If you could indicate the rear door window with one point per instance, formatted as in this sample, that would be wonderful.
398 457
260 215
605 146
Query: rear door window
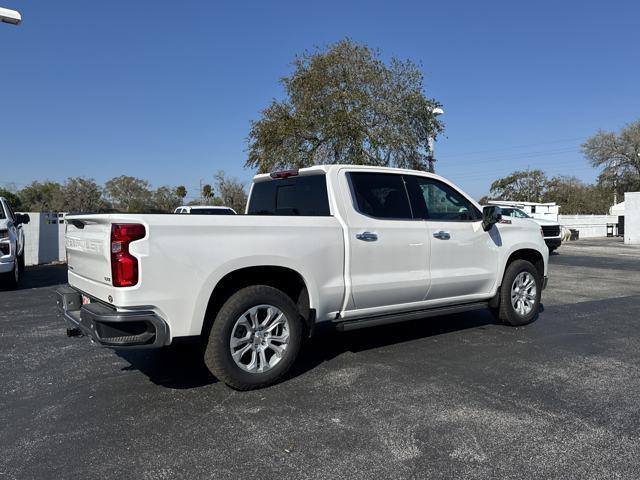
293 196
380 195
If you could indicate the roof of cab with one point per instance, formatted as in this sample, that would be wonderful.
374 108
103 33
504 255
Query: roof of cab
328 168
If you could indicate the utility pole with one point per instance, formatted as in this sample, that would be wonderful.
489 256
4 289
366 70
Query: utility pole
615 182
431 159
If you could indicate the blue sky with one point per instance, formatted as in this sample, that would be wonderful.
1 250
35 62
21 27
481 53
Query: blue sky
166 90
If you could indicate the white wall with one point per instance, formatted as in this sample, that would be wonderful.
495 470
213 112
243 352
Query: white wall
632 218
44 238
589 226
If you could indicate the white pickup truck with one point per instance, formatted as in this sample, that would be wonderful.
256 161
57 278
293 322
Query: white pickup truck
551 231
340 245
11 244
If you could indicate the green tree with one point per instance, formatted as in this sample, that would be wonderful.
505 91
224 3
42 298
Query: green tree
81 194
346 105
618 154
207 193
129 194
571 193
165 199
231 192
181 192
12 198
42 197
520 186
576 197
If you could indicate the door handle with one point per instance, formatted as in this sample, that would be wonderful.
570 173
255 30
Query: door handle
367 236
442 235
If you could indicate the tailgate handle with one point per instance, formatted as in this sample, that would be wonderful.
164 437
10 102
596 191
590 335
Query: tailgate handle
76 223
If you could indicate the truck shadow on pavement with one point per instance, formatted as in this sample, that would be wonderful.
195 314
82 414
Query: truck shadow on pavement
330 344
180 366
42 276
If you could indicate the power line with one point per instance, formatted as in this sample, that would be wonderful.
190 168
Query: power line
515 147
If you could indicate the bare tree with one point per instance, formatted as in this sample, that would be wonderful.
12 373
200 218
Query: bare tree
619 156
231 192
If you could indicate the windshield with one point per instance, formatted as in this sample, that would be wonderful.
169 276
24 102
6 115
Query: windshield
2 214
513 212
211 211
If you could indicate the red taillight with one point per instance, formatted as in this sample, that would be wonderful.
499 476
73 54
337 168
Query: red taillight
124 266
284 173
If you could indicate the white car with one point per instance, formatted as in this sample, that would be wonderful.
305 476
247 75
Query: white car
551 230
205 210
347 246
11 244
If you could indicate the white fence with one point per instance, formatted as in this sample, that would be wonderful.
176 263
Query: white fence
44 238
632 218
589 226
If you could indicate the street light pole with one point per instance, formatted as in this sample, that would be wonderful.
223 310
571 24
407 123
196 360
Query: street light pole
10 16
431 144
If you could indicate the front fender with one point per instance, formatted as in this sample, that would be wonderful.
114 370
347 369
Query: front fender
517 239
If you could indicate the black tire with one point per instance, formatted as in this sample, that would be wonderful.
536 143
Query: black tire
21 261
505 312
218 357
9 280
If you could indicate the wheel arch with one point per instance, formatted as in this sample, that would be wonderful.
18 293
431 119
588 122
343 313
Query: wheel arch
285 279
531 255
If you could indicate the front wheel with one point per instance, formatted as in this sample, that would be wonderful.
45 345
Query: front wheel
10 279
255 338
519 294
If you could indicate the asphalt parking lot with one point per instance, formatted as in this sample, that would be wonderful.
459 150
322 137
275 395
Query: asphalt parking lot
457 397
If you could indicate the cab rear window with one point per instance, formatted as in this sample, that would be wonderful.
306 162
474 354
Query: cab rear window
293 196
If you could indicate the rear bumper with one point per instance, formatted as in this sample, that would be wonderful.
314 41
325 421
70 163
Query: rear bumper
110 327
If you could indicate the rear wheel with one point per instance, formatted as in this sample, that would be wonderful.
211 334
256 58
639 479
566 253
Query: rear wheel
255 338
519 294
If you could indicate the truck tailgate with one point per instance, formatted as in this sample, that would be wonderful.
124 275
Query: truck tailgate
88 248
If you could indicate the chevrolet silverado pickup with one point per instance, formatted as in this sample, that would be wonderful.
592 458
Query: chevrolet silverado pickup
11 244
345 246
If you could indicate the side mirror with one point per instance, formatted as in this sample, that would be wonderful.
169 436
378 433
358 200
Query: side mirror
490 216
22 218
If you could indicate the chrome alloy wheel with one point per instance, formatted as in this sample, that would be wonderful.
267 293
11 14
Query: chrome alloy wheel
523 293
259 338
